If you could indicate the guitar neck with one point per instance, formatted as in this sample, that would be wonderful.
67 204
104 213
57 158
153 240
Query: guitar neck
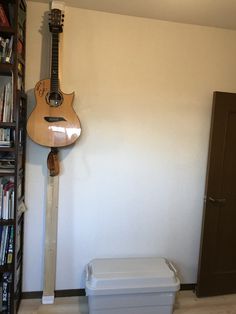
54 63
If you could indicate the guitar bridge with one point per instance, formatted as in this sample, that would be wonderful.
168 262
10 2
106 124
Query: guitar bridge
54 119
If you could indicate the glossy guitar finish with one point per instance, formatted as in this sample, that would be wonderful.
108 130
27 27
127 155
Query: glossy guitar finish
53 122
53 126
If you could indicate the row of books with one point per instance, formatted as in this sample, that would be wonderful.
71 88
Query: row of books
6 198
6 137
6 102
6 46
7 162
5 292
6 14
7 243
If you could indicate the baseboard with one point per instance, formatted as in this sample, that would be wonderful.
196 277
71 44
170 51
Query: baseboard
31 295
70 293
58 294
187 286
81 292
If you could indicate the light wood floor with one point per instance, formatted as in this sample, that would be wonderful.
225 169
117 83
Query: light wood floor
186 303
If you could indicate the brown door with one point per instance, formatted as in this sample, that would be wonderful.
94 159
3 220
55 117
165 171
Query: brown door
217 265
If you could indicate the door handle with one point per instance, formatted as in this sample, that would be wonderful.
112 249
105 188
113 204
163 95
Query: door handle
216 200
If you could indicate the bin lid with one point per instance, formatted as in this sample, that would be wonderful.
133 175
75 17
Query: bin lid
130 275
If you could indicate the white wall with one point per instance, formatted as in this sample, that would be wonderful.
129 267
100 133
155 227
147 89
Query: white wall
133 185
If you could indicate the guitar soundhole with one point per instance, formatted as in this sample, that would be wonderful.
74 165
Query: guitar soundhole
54 99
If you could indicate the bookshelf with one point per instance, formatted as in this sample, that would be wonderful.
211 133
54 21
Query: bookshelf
12 151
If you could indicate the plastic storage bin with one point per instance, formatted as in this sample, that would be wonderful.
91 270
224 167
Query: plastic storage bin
131 286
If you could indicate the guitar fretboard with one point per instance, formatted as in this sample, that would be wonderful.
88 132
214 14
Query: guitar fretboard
54 63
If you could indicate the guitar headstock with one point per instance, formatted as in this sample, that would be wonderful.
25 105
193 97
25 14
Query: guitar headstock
55 21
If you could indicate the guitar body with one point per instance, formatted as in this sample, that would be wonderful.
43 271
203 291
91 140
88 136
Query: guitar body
53 126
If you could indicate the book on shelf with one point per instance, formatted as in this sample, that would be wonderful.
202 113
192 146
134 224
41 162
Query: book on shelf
6 101
10 247
4 240
7 241
6 166
7 162
7 195
6 137
6 46
11 13
6 281
8 57
3 17
8 201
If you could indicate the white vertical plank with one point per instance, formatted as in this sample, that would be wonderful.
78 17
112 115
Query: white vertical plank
50 240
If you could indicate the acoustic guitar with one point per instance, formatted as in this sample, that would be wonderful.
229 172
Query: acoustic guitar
53 122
